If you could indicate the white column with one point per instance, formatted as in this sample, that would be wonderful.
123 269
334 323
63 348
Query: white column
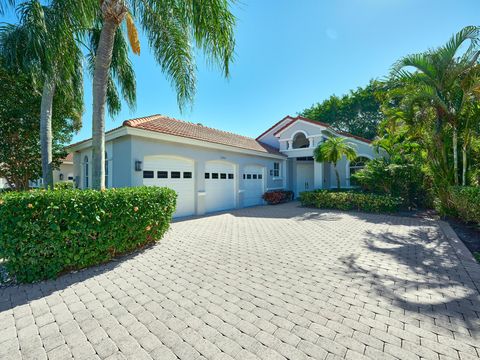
310 142
318 174
289 144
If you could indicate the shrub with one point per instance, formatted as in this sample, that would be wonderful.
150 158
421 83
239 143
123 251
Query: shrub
465 203
350 200
64 185
277 196
400 178
44 233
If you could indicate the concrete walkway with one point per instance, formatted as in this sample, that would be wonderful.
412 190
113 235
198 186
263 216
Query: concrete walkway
273 282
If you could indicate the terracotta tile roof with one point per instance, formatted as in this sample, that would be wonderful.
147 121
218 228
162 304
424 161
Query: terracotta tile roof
328 126
167 125
68 158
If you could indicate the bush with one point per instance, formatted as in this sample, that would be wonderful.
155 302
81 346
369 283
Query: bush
400 178
277 196
44 233
64 185
465 203
350 200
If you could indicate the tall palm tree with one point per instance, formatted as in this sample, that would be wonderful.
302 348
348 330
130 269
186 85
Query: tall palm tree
172 28
44 45
333 150
437 76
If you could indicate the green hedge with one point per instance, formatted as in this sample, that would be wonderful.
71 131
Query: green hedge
45 233
465 203
350 200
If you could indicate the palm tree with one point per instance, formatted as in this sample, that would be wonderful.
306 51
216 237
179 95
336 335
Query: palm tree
44 45
171 27
333 150
437 76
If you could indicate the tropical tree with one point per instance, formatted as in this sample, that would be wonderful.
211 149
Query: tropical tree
43 44
172 28
437 78
333 150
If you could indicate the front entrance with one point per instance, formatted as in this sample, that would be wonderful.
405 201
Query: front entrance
305 177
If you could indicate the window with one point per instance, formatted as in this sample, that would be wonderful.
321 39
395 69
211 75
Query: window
162 174
207 175
85 172
254 176
276 169
260 176
214 175
300 141
249 176
230 176
244 176
223 176
175 174
106 169
357 165
148 174
187 175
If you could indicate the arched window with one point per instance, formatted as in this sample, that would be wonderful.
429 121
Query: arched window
357 165
85 172
300 141
106 169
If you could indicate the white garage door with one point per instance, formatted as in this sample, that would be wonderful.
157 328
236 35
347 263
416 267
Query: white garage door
174 173
219 186
252 180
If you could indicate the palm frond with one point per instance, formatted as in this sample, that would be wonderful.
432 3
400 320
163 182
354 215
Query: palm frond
133 35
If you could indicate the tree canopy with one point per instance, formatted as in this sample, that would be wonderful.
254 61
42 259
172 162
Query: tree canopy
358 112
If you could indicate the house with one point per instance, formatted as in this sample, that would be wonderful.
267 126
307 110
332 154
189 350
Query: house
213 170
64 173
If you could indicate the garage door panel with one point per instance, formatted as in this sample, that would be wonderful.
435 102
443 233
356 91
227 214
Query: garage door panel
253 185
219 186
176 174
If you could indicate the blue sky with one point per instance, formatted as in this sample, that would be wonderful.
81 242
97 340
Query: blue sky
291 54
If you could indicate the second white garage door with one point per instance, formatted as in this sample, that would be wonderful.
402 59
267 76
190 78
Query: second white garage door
219 186
174 173
252 180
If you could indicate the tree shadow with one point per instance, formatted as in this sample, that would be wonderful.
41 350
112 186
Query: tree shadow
419 272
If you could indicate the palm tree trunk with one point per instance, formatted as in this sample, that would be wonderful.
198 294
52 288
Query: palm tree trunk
100 80
464 165
337 175
46 133
455 155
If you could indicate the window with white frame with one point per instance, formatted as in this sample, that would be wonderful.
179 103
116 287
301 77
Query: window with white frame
85 172
276 169
355 166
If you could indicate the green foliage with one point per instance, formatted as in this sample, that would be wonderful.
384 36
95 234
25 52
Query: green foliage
465 203
19 129
333 150
400 179
350 200
358 113
44 233
64 185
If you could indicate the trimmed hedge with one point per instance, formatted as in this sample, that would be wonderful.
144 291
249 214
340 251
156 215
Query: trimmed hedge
465 201
45 233
350 200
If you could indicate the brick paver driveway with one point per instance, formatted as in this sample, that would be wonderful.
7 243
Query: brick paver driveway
277 282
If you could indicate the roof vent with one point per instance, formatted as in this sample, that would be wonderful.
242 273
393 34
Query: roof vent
199 124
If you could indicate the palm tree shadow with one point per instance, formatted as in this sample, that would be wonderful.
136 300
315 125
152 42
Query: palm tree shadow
419 273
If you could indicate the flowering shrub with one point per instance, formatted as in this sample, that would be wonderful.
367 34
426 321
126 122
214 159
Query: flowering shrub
350 200
277 196
44 233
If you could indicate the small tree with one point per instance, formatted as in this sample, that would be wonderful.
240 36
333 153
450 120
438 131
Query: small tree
333 150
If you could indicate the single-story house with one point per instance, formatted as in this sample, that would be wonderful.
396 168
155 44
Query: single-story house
213 170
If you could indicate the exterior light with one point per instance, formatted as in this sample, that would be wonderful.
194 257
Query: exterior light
138 165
